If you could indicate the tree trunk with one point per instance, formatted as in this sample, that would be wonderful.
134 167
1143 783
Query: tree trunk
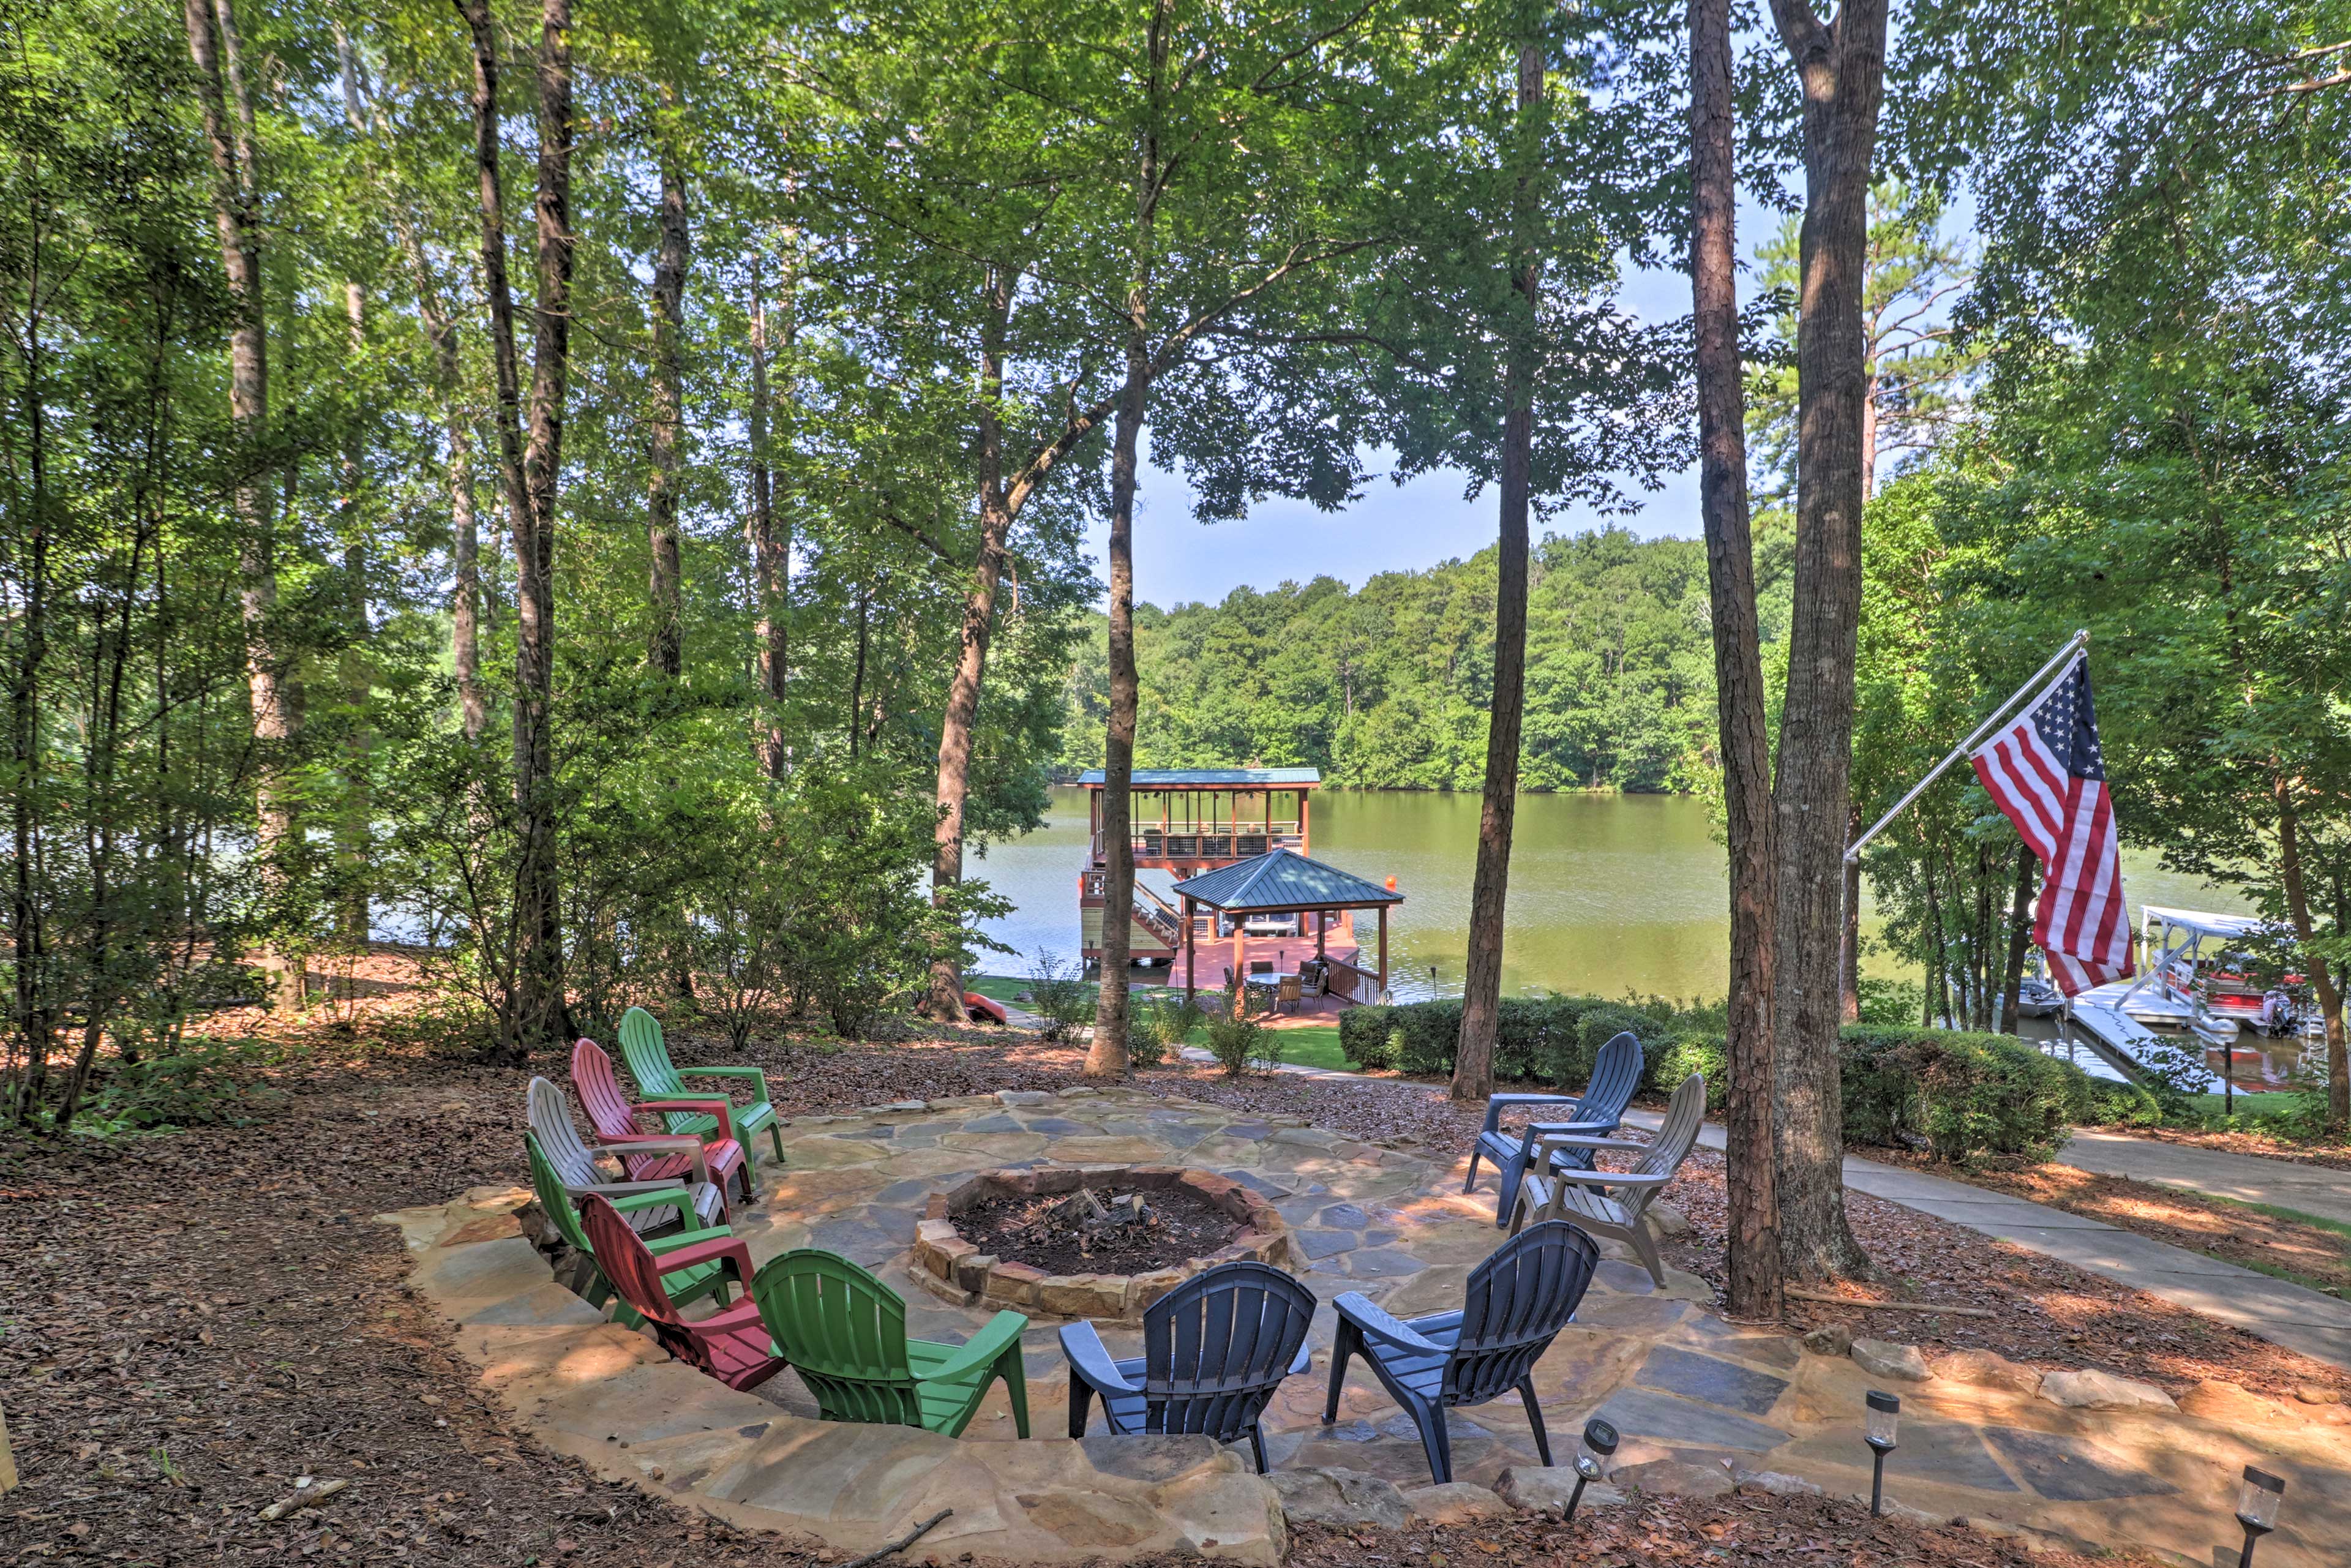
2019 938
2322 979
354 668
1107 1058
1849 940
772 557
465 527
215 47
1841 69
944 1003
1939 985
668 650
1752 1201
1481 994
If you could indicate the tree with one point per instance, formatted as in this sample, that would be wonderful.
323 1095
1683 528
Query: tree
1840 71
1755 1271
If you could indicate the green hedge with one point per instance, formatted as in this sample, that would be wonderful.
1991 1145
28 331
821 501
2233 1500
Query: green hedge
1959 1094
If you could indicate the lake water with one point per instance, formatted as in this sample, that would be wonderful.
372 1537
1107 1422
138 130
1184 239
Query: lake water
1609 894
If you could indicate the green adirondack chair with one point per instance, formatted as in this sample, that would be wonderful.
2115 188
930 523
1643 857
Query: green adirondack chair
683 1285
657 1080
845 1332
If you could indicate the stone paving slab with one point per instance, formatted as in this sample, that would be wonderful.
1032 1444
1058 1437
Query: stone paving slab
1681 1384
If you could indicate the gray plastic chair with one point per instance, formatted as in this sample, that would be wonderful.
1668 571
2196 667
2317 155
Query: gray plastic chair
1598 1111
1616 1203
549 1116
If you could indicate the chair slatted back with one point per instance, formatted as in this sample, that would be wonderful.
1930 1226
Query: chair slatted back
549 1115
845 1332
1518 1299
1674 1139
553 1201
636 1276
1217 1346
599 1091
647 1054
1615 1077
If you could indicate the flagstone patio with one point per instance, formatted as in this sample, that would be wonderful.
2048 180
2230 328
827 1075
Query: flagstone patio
1686 1388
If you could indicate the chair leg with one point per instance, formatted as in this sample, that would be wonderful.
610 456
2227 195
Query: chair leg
1471 1184
1342 1347
1534 1417
1435 1441
1637 1233
1082 1399
1256 1446
1016 1387
775 1134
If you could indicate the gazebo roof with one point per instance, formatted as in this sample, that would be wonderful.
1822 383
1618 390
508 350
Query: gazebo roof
1210 778
1283 880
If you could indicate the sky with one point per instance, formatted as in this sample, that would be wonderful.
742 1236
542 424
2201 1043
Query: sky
1392 527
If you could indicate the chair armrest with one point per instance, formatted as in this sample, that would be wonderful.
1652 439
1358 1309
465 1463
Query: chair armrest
1497 1104
725 1248
1360 1310
1609 1178
684 1238
664 1195
679 1143
758 1075
1574 1129
1567 1142
1090 1360
1434 1322
722 1108
605 1189
999 1333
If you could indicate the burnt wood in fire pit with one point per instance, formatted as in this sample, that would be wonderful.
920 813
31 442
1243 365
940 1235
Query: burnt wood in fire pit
1095 1242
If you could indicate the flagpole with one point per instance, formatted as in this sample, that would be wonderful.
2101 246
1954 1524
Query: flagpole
2074 644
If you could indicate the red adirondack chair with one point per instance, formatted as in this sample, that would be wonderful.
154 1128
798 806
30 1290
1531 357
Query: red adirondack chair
615 1119
731 1345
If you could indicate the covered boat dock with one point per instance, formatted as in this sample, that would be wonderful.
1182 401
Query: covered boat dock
1282 881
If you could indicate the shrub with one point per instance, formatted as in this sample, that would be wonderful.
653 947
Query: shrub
1368 1038
1669 1061
1240 1043
1963 1094
1058 993
2106 1104
202 1082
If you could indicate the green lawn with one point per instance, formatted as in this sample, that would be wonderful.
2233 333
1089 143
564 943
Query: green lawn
1311 1045
2262 1105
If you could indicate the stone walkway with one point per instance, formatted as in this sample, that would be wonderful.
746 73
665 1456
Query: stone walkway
2321 1190
1699 1401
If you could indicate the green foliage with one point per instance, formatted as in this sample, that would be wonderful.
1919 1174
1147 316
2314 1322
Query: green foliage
1387 685
1242 1044
1540 1040
1959 1094
1059 994
199 1082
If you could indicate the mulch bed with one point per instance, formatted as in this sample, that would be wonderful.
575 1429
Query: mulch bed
1180 1226
1745 1530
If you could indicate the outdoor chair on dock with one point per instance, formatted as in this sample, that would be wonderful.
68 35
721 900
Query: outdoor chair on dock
845 1333
1616 1203
658 1082
731 1344
1597 1112
615 1121
1518 1300
1213 1350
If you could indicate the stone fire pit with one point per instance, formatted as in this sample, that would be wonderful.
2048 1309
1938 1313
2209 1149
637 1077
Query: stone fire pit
956 1268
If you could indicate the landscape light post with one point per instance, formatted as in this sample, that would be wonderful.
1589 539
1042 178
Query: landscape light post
1884 1410
1599 1442
2257 1509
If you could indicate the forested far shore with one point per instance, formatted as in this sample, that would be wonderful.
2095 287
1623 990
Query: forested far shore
1390 686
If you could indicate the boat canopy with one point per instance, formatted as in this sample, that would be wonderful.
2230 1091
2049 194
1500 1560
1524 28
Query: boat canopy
2207 925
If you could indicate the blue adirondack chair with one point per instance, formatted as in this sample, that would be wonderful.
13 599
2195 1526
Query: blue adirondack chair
1215 1348
1615 1074
1518 1299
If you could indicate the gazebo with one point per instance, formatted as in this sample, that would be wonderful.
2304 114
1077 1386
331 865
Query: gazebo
1283 881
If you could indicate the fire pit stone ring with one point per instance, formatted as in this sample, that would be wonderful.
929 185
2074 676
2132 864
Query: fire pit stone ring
954 1268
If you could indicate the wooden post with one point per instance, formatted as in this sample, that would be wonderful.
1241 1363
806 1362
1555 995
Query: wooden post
1322 922
1240 961
1191 951
1383 949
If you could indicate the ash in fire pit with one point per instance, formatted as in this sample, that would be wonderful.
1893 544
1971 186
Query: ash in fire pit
1099 1229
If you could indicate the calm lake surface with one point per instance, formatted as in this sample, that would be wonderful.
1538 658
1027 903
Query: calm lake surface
1609 894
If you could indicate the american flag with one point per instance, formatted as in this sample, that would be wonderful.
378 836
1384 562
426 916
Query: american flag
2047 776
